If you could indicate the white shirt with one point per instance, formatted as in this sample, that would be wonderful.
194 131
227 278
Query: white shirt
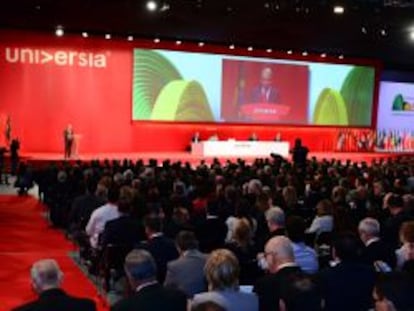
321 224
99 218
371 240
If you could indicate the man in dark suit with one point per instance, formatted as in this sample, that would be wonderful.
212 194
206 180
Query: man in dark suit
124 230
348 285
299 153
391 227
276 288
265 92
375 251
159 246
187 272
46 279
148 295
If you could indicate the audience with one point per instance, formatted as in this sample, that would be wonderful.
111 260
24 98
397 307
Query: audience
231 205
46 281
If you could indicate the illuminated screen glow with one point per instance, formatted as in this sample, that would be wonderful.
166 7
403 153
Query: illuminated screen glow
199 87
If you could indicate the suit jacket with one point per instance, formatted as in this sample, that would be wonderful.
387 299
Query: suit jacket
153 298
163 250
123 231
57 299
271 95
347 286
229 299
378 250
187 273
270 288
211 233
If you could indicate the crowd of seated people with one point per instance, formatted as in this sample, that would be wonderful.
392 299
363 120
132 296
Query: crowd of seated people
269 235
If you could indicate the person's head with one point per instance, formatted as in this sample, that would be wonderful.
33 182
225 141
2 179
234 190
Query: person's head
242 233
338 194
186 241
208 306
368 229
378 188
266 76
298 142
324 208
346 247
126 195
140 267
222 270
393 292
113 194
278 251
290 196
102 192
45 275
181 215
407 233
394 203
275 218
295 227
152 225
254 187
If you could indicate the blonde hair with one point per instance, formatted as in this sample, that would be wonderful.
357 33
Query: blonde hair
242 233
222 270
407 232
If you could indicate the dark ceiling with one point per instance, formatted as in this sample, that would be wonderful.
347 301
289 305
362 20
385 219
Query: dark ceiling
378 29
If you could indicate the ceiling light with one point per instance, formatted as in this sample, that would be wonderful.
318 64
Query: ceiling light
157 40
338 9
200 44
323 55
152 5
178 42
364 30
383 32
165 7
232 47
269 50
290 52
59 31
130 38
304 53
84 34
341 57
412 35
250 48
107 36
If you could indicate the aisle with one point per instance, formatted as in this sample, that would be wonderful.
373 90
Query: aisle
26 237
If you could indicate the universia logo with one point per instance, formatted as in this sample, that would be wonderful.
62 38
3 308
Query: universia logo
36 56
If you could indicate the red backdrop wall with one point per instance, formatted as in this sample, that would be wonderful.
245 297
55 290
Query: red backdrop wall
47 82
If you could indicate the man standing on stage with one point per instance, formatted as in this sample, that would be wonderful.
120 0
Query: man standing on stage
68 136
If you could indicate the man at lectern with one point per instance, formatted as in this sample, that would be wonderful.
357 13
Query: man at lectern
265 92
68 136
253 137
196 138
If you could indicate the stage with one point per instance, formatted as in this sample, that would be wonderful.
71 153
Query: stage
40 159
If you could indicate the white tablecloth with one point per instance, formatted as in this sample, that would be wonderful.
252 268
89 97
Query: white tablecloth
234 148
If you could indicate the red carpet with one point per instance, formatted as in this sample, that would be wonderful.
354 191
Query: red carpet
24 238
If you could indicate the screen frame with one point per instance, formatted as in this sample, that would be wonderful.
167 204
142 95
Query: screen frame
213 49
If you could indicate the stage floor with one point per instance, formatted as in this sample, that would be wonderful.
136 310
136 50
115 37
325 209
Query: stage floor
188 157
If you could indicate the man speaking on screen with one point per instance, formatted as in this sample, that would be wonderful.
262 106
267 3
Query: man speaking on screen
265 92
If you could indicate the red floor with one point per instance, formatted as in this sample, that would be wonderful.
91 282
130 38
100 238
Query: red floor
44 158
26 237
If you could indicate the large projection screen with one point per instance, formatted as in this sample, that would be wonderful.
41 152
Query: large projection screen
199 87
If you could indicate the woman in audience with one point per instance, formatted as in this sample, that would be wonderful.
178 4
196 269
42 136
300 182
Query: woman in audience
406 251
323 222
241 244
222 272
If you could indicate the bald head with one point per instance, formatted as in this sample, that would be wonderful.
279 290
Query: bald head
46 274
279 251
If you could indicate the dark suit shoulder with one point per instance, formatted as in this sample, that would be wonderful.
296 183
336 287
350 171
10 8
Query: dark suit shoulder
65 303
